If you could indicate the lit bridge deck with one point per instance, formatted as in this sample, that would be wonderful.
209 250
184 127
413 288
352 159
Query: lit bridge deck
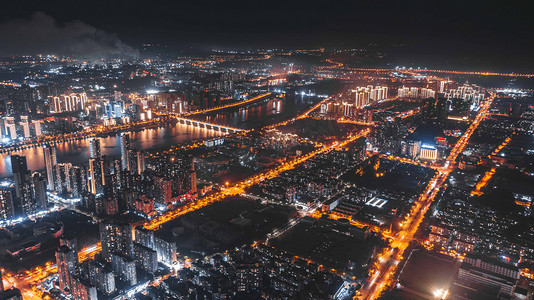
208 125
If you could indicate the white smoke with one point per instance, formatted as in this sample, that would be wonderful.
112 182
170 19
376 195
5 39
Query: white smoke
42 34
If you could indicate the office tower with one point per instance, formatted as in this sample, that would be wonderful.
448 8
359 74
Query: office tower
94 148
102 276
144 237
414 92
362 99
82 290
166 251
63 180
132 164
25 124
117 173
7 207
414 148
78 183
146 258
116 238
72 243
24 204
124 268
140 162
428 152
83 100
442 86
96 178
403 92
50 165
11 128
38 189
66 266
136 161
37 127
125 145
366 95
19 168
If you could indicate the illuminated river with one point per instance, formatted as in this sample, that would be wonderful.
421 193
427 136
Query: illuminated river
253 116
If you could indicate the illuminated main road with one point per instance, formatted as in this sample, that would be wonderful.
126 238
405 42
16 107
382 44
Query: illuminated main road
382 274
303 115
25 280
489 174
480 73
239 103
240 186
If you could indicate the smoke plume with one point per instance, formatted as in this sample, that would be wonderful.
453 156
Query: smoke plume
42 34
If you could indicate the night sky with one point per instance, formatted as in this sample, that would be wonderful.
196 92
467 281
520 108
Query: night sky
497 32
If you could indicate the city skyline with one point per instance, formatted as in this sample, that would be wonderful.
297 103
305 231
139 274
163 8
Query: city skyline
364 150
472 35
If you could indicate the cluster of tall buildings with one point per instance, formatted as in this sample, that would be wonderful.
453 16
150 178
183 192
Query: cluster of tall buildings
467 92
342 109
72 280
27 196
12 129
111 183
351 104
67 103
125 253
63 179
276 139
125 184
226 81
105 186
418 150
366 95
171 102
415 93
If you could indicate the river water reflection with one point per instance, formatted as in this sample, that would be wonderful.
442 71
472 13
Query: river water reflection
254 116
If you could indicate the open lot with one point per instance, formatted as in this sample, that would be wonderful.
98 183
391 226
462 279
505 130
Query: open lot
327 247
225 225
